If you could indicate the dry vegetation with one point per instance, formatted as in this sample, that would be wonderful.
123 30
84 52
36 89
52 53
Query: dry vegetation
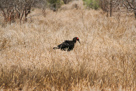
104 61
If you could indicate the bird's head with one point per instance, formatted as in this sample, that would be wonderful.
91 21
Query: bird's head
76 39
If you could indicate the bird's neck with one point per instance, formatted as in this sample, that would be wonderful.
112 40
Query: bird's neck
74 41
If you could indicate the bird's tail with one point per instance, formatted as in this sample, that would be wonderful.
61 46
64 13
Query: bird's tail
55 48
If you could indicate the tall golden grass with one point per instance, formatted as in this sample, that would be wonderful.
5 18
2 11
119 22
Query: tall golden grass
104 61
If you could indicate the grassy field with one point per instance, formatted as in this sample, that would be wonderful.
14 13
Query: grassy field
104 61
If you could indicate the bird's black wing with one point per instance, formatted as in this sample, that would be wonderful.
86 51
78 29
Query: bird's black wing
64 45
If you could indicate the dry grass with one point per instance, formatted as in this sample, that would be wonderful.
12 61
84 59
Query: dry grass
104 61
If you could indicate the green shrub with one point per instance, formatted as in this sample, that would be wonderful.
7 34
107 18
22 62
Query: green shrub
66 1
94 4
55 4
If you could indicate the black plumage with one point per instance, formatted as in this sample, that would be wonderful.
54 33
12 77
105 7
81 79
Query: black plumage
67 45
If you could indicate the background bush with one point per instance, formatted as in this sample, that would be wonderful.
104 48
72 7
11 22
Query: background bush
55 4
66 1
94 4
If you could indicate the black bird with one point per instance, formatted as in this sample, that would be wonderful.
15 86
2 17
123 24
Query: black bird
67 45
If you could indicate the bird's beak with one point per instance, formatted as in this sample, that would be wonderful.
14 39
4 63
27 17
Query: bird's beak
79 41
